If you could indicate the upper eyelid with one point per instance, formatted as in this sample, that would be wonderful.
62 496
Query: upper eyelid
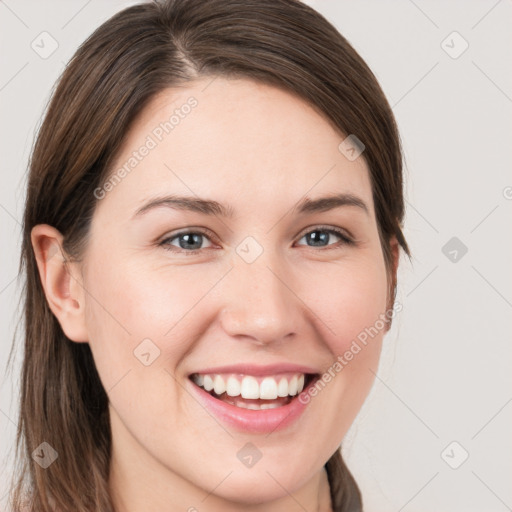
320 227
185 231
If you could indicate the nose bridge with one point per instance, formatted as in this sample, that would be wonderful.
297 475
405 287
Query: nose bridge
258 301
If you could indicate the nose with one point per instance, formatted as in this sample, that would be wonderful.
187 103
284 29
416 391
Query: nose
259 303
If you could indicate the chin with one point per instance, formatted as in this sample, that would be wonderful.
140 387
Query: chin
260 483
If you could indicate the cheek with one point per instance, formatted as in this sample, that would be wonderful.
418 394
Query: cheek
350 299
135 309
139 332
351 302
137 301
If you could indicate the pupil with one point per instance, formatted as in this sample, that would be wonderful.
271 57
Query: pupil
323 237
190 241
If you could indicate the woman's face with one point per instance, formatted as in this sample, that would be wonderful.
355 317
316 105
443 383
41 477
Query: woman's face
258 289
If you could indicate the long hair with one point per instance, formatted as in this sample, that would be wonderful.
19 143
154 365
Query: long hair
134 55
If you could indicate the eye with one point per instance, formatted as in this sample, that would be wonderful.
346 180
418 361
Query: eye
320 236
191 242
186 241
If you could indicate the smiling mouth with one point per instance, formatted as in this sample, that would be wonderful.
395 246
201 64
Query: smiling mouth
254 392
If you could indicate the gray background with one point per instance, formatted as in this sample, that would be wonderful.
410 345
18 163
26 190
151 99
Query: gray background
445 373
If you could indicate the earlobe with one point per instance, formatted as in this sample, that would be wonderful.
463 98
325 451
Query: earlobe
59 278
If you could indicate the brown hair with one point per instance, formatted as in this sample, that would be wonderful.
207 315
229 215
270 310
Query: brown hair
111 78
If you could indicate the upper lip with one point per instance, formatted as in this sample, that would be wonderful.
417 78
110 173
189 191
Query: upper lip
256 370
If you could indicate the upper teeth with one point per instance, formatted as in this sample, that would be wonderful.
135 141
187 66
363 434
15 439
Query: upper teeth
267 388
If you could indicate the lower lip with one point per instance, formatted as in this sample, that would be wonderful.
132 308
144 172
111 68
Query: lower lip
249 420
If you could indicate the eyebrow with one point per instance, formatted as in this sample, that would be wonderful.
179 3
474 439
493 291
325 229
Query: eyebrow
323 204
211 207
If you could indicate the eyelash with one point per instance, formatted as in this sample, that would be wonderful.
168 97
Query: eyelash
345 240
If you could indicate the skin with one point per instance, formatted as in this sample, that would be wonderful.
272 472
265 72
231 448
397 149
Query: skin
295 303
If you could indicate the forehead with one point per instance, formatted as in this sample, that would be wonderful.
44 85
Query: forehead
231 138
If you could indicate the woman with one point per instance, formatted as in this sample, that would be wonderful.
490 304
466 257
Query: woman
213 223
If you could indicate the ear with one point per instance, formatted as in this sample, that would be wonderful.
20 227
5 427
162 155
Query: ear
61 281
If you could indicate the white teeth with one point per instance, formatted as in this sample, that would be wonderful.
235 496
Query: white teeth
250 388
269 406
268 388
219 386
300 383
208 383
282 388
256 407
292 386
233 386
